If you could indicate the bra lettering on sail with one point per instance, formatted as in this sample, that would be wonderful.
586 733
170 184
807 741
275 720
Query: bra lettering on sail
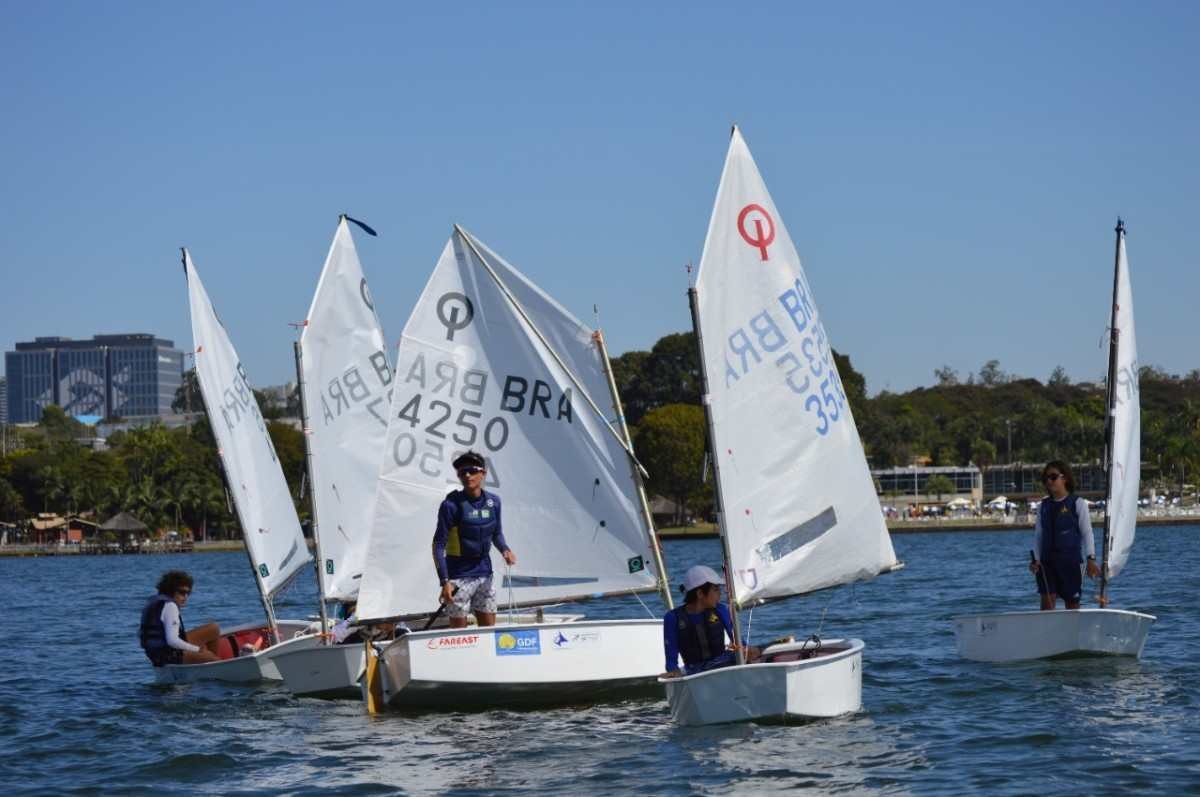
763 240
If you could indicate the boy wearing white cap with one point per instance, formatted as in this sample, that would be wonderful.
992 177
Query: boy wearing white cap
698 630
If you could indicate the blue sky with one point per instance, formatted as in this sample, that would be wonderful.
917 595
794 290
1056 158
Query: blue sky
950 172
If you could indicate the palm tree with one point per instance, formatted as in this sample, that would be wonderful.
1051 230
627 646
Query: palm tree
53 486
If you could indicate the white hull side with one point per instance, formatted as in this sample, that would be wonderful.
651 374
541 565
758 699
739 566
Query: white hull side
243 669
1020 636
523 665
329 671
335 671
824 686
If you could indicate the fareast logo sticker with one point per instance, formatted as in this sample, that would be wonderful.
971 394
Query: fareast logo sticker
453 642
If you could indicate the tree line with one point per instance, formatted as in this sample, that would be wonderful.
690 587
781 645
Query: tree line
171 478
985 418
167 478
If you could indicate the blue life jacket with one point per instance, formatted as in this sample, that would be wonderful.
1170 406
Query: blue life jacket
152 634
471 537
1061 540
699 642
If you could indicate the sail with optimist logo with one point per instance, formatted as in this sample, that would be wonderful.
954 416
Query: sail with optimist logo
345 376
270 528
799 511
488 362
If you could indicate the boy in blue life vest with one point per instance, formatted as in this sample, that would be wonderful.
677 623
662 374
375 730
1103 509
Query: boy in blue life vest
468 526
697 630
1062 540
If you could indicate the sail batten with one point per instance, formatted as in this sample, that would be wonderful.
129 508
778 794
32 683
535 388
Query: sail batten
799 508
489 362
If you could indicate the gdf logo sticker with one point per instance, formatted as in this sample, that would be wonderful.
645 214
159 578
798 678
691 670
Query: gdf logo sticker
518 643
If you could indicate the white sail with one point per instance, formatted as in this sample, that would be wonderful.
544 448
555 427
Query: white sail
800 508
1126 462
346 381
472 373
270 528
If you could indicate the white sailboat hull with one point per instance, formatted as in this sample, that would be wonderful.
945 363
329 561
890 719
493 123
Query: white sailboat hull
334 671
827 685
328 671
244 669
522 665
1020 636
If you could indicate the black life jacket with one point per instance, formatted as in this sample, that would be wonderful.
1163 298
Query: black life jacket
152 634
471 536
699 642
1061 540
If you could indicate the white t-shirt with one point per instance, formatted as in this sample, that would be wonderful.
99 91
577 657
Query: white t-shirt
171 623
1085 527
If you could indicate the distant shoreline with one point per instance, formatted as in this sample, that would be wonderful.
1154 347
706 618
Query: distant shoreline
34 551
897 526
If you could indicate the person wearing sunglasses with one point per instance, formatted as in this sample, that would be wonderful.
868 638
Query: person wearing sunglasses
162 635
1062 540
468 526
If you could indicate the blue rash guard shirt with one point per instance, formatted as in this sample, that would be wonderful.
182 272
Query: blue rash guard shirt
466 530
671 639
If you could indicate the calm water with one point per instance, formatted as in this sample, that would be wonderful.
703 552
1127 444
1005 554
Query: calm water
78 713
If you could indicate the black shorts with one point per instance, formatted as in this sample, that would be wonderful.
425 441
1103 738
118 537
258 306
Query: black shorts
165 656
1063 578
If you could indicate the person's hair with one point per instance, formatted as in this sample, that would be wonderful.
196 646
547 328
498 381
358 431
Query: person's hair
1063 468
173 580
694 594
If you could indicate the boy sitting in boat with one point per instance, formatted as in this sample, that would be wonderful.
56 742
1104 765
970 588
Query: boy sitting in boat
698 629
162 634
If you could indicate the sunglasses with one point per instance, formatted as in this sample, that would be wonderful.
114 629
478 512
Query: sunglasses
184 592
1051 477
471 471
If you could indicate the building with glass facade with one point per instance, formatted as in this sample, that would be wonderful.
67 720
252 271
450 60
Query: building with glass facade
3 401
913 482
110 375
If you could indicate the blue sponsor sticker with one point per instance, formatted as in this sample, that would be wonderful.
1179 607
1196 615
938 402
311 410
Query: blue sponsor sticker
518 643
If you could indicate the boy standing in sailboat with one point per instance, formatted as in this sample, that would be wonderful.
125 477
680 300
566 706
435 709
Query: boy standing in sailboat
468 525
1062 535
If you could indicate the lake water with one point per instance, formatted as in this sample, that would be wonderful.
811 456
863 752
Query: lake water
79 713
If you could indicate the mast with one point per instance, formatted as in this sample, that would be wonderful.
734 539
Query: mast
268 609
1114 335
308 460
652 538
730 586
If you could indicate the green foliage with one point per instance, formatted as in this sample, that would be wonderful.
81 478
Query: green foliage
667 374
670 443
187 395
939 485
